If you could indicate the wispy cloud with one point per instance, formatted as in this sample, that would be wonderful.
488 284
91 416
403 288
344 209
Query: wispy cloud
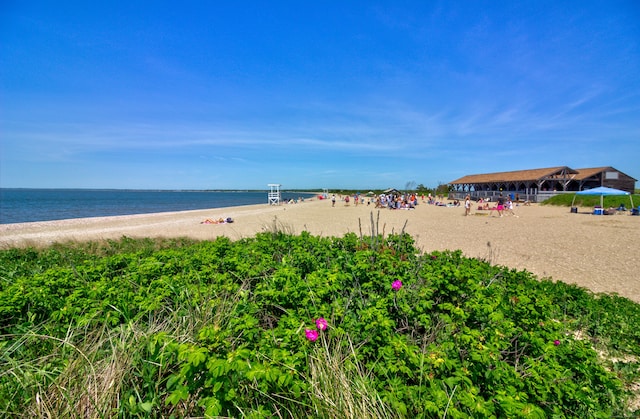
405 92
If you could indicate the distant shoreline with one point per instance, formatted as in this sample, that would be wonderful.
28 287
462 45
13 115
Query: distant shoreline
305 191
32 205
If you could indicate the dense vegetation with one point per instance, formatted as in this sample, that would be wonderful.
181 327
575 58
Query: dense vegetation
301 326
565 200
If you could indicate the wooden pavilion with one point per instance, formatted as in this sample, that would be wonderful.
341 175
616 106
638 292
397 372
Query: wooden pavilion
546 181
602 176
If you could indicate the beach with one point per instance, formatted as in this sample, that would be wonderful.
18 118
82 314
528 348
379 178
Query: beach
596 252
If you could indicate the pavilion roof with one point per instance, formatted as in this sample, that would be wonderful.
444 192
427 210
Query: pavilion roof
591 171
514 176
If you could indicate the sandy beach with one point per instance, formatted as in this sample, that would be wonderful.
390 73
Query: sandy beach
597 252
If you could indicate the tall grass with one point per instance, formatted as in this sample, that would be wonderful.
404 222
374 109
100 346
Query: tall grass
340 386
103 363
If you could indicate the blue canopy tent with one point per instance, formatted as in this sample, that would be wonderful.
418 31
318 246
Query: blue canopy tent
603 191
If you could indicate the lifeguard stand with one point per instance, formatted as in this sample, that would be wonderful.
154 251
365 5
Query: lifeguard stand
274 194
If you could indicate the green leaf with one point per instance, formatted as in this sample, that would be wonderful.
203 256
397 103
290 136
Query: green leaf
146 406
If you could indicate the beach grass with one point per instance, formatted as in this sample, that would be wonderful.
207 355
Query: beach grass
566 200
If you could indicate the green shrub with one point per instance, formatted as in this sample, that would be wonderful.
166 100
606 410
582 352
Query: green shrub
139 328
565 200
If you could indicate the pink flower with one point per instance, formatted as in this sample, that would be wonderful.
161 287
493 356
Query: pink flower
556 342
312 335
396 285
321 324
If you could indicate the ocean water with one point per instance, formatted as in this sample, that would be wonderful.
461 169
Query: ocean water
27 205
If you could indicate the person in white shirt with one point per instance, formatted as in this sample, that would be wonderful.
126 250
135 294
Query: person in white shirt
509 208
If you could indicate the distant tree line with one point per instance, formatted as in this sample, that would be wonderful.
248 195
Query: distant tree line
409 187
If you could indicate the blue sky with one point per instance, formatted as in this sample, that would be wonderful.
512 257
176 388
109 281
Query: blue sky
335 94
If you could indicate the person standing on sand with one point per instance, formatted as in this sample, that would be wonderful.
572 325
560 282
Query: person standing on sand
467 205
509 208
333 200
500 206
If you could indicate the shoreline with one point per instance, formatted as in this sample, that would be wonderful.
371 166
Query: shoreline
596 252
63 204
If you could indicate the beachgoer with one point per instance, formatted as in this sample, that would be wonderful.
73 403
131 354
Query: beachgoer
509 208
218 221
500 206
467 205
333 200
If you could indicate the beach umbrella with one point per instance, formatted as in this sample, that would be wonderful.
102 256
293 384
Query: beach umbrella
603 191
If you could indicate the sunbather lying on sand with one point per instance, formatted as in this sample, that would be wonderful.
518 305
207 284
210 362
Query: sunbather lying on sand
218 221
